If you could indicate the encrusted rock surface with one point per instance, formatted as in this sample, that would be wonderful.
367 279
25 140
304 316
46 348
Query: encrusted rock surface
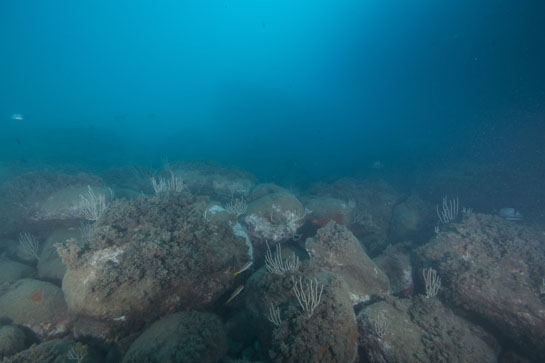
328 335
494 269
335 249
147 257
185 337
421 330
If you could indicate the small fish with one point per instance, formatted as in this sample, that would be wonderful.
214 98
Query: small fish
121 318
17 117
244 268
234 294
38 296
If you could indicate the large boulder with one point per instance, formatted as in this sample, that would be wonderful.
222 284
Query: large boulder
322 210
33 200
50 266
395 261
148 257
12 340
57 351
287 332
494 269
219 182
64 204
335 249
184 337
37 305
371 204
411 220
13 271
421 330
274 217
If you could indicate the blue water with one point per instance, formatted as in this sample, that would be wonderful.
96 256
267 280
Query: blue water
292 91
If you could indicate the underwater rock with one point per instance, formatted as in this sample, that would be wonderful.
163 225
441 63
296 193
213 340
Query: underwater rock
57 350
494 269
12 340
13 271
335 249
262 189
372 205
421 330
149 257
411 219
241 334
328 335
274 218
63 204
325 209
396 264
103 331
184 337
37 305
40 198
213 180
511 214
130 181
50 266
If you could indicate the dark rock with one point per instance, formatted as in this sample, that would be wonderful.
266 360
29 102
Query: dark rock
420 330
411 220
328 335
181 337
396 264
494 269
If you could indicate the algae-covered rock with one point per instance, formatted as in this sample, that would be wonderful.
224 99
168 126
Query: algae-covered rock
494 269
13 271
395 261
148 257
411 219
322 210
335 249
371 203
217 181
57 351
329 334
37 305
40 199
421 330
50 266
181 337
12 340
274 218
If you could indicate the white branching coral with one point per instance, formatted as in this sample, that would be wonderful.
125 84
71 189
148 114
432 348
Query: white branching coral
162 185
449 210
380 325
432 282
29 245
236 206
309 298
278 265
91 205
274 315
